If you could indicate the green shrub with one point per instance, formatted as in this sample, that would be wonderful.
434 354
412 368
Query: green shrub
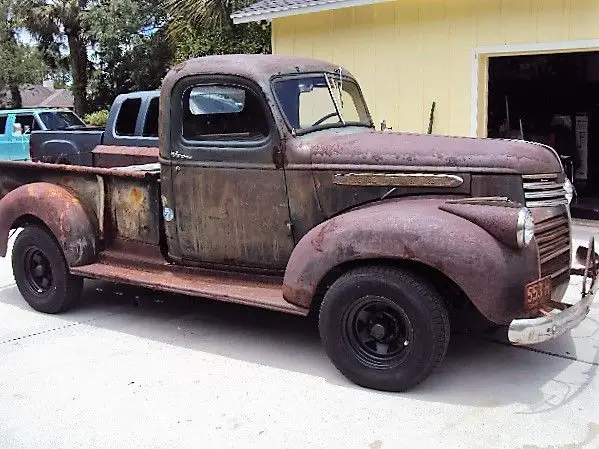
98 118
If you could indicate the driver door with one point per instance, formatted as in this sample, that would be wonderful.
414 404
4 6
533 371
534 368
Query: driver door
230 199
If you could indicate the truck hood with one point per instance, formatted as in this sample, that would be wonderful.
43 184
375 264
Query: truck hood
390 150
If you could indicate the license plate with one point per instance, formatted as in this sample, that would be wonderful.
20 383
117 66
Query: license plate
537 294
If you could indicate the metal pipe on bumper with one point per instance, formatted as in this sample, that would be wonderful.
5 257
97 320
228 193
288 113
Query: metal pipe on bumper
538 330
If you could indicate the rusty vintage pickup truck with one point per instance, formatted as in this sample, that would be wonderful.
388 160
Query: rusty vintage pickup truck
274 190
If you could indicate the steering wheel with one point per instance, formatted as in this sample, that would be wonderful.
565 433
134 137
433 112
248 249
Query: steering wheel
326 117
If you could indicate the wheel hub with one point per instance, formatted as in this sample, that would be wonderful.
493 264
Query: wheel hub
38 271
379 331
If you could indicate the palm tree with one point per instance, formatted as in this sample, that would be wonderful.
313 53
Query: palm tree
205 27
208 13
55 23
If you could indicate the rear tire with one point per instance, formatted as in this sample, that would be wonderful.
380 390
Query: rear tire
41 272
384 328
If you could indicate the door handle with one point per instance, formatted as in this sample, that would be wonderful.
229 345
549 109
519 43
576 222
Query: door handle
178 169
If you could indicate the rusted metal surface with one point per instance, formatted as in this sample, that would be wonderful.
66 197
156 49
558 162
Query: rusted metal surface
334 199
33 167
133 209
257 68
498 218
237 217
553 235
509 186
120 156
60 210
132 253
397 180
403 151
254 291
120 202
304 208
491 274
86 186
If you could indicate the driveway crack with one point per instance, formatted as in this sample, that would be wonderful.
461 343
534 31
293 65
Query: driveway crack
542 351
54 329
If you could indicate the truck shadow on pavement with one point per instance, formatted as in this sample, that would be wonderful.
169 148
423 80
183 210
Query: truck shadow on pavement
476 371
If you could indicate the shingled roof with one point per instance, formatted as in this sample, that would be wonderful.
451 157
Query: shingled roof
270 9
39 96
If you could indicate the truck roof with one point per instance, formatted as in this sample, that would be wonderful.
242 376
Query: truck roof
140 94
31 110
259 68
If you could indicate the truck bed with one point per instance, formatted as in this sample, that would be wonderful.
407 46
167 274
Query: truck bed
125 201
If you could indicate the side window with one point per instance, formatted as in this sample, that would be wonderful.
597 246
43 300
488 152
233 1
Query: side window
27 122
220 112
151 125
127 118
3 120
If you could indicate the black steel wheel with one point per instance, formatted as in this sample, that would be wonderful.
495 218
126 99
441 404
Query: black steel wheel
378 331
41 272
384 328
38 271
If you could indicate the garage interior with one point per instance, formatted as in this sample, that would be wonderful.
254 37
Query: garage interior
552 99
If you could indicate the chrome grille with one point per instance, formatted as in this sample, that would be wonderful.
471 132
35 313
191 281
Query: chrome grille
543 191
553 238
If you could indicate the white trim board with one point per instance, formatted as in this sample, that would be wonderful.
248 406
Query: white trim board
294 10
513 50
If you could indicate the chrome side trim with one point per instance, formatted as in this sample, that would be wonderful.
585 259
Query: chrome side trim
397 179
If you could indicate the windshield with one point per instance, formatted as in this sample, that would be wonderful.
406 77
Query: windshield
57 120
315 102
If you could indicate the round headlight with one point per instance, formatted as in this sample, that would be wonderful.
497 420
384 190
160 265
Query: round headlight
569 188
525 229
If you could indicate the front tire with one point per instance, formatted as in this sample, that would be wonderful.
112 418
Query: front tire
41 272
384 328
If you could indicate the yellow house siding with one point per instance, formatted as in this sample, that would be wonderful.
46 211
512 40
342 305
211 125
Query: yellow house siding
408 53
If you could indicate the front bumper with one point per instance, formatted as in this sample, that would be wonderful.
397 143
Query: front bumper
557 322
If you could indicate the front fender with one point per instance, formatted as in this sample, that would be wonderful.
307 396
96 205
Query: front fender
60 210
491 273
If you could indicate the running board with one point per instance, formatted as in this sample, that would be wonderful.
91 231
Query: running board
188 281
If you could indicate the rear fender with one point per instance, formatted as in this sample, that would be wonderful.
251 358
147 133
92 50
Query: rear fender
73 227
490 272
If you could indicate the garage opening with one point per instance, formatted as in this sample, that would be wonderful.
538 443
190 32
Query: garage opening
552 99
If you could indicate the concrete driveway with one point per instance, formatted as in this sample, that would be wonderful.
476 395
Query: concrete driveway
134 369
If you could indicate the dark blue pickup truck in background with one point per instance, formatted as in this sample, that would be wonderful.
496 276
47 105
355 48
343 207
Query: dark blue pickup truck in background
132 126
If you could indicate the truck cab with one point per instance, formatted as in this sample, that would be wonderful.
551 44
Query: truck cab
273 189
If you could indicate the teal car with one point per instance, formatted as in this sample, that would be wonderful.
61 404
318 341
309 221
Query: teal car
16 126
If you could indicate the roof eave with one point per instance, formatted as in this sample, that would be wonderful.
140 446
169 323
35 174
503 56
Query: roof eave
295 11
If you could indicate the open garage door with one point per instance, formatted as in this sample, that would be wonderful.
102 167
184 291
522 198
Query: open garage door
552 99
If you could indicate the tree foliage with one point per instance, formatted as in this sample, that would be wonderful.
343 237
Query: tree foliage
205 28
60 24
101 48
98 118
203 41
130 47
21 64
